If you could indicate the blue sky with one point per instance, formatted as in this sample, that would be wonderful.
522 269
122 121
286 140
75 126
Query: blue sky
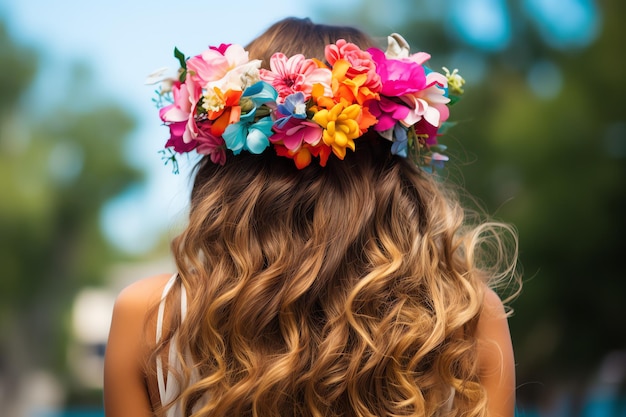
124 41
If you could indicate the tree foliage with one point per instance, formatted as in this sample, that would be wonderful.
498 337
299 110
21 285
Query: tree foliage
59 162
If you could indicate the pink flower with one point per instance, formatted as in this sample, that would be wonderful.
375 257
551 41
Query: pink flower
209 144
226 67
180 109
388 113
295 74
360 62
221 49
429 103
418 95
295 132
428 131
186 96
176 141
398 76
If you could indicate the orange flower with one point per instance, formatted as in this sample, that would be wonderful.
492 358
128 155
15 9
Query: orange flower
366 120
222 108
355 89
304 155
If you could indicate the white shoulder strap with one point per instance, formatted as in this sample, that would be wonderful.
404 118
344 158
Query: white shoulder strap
166 393
450 401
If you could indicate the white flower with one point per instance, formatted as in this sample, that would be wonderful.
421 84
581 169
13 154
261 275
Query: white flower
397 47
164 76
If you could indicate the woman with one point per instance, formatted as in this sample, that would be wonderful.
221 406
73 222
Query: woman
322 272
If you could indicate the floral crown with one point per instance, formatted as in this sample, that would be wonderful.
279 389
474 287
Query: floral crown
222 102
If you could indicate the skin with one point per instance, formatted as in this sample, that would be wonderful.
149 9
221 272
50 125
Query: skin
495 357
127 392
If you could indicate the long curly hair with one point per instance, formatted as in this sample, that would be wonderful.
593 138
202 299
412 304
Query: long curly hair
347 290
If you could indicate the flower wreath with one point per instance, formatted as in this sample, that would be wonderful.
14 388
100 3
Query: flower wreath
223 102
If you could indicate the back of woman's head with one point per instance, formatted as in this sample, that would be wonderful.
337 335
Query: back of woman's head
293 36
343 290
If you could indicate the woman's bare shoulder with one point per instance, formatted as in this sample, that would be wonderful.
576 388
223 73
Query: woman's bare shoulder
128 347
495 356
143 293
492 305
134 304
133 312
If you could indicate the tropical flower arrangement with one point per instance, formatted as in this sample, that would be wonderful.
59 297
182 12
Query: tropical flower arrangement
222 102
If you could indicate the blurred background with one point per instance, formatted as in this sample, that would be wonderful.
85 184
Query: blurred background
87 206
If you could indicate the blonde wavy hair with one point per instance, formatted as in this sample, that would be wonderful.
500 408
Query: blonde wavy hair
348 290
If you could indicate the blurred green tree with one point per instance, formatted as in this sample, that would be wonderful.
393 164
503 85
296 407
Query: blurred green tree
59 163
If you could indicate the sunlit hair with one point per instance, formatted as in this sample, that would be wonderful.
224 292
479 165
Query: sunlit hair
347 290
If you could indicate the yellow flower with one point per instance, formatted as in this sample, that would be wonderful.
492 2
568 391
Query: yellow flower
455 81
213 100
341 127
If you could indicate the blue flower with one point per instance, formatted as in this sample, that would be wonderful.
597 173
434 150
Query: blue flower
400 141
250 134
260 93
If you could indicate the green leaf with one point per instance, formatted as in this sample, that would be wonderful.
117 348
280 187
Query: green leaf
453 99
181 58
445 126
168 155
